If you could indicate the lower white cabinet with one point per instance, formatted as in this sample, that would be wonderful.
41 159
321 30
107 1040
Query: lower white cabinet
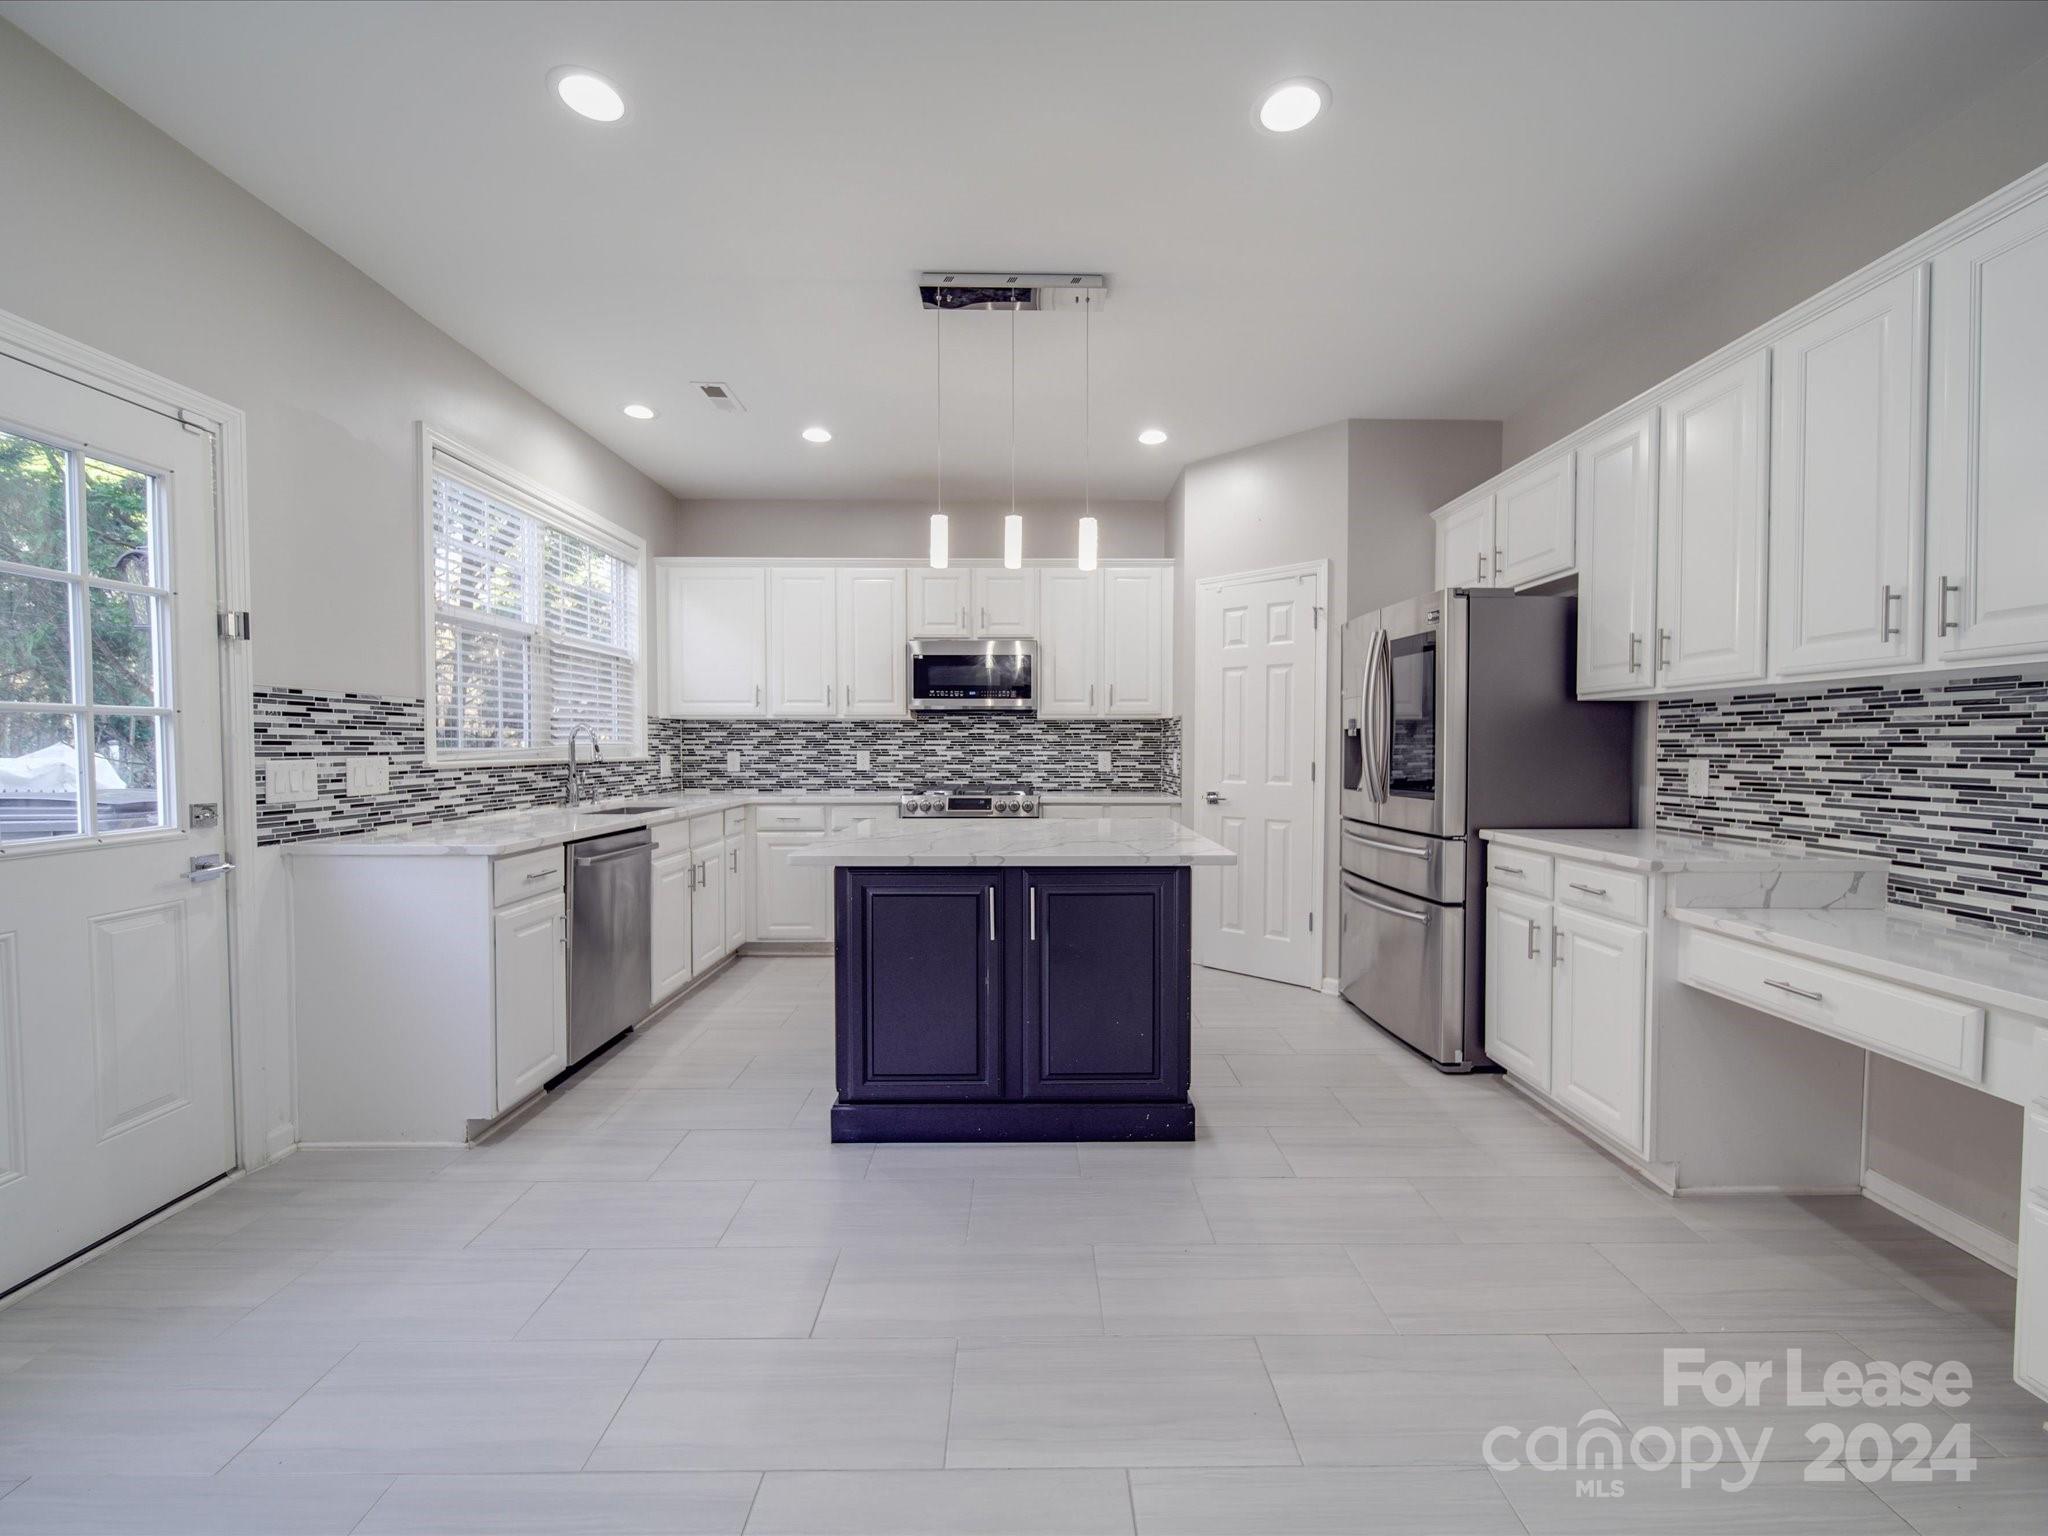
792 902
708 942
1518 985
669 911
2030 1361
735 865
529 975
1598 1017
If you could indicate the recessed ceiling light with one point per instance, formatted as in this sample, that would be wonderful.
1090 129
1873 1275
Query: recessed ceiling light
817 435
588 95
1151 437
1292 104
640 412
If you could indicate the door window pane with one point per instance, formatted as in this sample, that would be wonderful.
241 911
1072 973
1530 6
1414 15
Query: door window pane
32 497
38 776
127 773
35 640
117 522
123 648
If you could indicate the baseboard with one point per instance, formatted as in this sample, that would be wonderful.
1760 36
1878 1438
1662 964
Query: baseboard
379 1146
282 1142
1330 987
769 948
1973 1237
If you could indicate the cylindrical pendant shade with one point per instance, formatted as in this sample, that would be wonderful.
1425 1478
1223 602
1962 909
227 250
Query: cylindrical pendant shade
1013 542
938 553
1087 560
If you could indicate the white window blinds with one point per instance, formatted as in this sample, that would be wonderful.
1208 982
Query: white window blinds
536 626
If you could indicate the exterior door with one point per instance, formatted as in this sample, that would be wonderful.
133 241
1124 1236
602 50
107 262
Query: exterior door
803 642
1257 681
1848 396
874 657
1617 538
1105 984
115 1068
1988 453
1518 986
1135 659
1598 1022
921 984
1710 529
1070 648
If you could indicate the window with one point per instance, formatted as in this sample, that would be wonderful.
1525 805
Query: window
535 619
85 628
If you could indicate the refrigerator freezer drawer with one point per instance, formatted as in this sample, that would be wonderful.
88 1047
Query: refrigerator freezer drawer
1402 964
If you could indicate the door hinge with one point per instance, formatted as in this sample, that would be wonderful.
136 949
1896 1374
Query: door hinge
1311 922
1316 616
234 624
1311 773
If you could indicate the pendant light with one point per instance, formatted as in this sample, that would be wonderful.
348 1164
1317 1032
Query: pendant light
1013 525
1086 552
938 534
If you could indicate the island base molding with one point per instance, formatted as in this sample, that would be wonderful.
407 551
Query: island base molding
1013 1122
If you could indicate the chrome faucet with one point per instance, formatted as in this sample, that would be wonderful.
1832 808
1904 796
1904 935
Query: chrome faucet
572 800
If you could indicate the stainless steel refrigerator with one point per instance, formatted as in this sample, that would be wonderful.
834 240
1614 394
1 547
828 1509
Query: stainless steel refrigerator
1459 713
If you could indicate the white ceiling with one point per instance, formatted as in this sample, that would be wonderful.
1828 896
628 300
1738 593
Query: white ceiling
1487 178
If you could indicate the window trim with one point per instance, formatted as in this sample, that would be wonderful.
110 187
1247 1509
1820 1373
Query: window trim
559 512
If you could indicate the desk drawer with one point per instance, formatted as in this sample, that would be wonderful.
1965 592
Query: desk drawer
1918 1028
1610 892
1518 869
525 874
790 818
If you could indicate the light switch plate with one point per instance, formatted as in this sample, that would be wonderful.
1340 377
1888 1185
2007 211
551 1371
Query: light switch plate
732 761
1696 780
369 775
289 781
668 765
1102 761
862 760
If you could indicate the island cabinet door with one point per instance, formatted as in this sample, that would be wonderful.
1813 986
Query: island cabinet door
1104 996
920 984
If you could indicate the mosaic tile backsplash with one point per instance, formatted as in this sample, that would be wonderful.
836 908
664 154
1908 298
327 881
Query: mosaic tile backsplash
774 755
1948 780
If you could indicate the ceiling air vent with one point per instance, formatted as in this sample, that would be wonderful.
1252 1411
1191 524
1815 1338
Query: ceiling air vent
720 395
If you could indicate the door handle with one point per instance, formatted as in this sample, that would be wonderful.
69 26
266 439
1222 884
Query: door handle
991 914
1379 906
1383 753
1213 798
211 866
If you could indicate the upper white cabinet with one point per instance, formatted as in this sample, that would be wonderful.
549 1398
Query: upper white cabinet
1847 402
1005 603
1712 494
1617 553
1987 489
1137 640
874 671
712 628
803 641
940 602
1464 543
1070 644
1533 524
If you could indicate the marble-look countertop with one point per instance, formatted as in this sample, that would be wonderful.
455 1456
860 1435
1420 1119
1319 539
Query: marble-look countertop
1648 851
1914 948
500 833
1100 841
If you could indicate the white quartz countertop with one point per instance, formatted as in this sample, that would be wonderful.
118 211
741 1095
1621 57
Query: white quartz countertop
1648 851
1914 948
1102 840
508 832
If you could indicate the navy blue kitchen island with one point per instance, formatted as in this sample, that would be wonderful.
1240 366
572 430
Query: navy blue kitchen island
1014 981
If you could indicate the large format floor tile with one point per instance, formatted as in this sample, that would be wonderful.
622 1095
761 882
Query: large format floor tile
951 1503
913 1291
557 1504
583 1214
687 1293
1321 1501
189 1506
1522 1288
1233 1289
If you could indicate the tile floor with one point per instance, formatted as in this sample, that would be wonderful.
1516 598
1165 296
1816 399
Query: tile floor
668 1304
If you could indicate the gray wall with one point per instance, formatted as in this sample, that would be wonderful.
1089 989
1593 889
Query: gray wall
1902 191
900 529
1401 471
1956 1146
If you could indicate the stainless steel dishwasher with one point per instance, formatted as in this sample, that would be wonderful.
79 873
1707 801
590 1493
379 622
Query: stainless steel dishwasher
611 986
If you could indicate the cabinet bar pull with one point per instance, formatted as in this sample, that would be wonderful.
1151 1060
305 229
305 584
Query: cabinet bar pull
1892 631
1499 564
828 695
984 618
1663 648
1532 943
1506 869
1635 652
1034 914
693 879
540 874
1590 890
733 860
1786 986
1482 566
1556 948
757 695
991 914
1948 589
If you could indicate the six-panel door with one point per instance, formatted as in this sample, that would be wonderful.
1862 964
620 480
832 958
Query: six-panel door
920 984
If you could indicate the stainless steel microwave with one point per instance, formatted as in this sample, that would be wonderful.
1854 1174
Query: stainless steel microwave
947 675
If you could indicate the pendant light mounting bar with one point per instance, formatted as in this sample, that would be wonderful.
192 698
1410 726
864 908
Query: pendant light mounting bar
1010 290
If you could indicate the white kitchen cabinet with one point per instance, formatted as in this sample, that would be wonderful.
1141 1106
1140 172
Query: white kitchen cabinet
1137 661
707 896
1533 522
1599 1018
1518 969
669 949
1617 553
803 641
1848 398
1070 644
1712 495
1464 543
1988 447
529 974
792 902
737 906
874 664
1005 603
712 626
940 602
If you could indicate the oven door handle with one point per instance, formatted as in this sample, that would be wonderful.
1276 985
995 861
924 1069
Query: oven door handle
1379 906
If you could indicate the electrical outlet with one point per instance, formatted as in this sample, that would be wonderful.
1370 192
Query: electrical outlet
1696 780
369 775
862 759
668 765
1102 761
732 761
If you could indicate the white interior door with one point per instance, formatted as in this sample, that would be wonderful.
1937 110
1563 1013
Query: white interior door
1257 663
115 1069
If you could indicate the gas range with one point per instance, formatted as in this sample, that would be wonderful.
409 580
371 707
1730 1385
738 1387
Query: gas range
971 800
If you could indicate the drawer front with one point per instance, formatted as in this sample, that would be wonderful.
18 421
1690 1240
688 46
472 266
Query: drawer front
1610 892
526 874
845 818
671 836
735 821
790 818
707 830
1518 869
1918 1028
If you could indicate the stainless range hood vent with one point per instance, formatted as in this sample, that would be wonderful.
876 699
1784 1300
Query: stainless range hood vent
1011 290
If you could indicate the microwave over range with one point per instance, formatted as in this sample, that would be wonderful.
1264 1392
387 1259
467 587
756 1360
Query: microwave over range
952 675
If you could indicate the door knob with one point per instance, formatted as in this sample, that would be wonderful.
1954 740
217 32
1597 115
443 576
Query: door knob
1213 798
